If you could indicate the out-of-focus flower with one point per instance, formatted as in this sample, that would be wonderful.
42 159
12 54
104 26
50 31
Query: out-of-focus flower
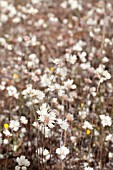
5 141
14 125
110 155
15 76
35 124
35 1
45 153
69 117
52 69
73 139
7 132
45 131
23 163
102 74
0 138
12 91
34 61
71 58
1 156
87 125
62 71
63 124
46 80
88 168
57 61
6 125
23 120
2 85
109 138
62 152
106 120
69 84
83 113
88 132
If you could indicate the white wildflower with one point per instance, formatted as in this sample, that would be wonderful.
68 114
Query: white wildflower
48 118
106 120
7 132
87 125
62 152
45 153
71 58
14 125
69 84
23 163
45 131
12 91
5 141
102 74
63 124
23 120
109 138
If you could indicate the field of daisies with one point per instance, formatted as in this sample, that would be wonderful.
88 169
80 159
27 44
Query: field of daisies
56 86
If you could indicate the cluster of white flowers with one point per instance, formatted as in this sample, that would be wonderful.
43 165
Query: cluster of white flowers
87 125
33 61
74 4
23 163
106 120
53 92
32 95
69 84
103 74
46 80
12 91
45 153
84 112
62 72
71 58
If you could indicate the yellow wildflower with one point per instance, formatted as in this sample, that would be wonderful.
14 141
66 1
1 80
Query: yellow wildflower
52 69
82 105
88 132
6 125
15 76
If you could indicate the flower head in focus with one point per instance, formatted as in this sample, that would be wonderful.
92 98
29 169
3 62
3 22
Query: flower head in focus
46 117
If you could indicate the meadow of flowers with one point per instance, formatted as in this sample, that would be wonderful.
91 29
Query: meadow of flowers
56 86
